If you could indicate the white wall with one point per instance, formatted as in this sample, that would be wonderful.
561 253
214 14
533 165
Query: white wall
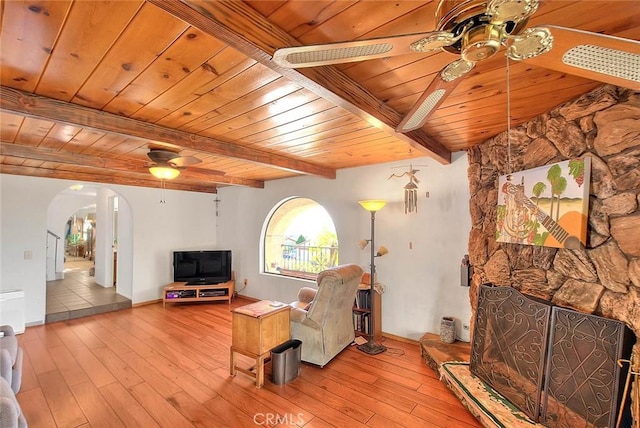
23 227
186 220
105 235
422 283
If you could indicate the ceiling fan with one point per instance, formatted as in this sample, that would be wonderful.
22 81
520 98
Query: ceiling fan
167 164
475 30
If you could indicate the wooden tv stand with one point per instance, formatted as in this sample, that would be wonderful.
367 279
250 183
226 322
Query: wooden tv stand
180 292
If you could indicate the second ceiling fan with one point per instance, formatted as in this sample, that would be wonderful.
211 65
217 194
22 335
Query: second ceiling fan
167 164
475 30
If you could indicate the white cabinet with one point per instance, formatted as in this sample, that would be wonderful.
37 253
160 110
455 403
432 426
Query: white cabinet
12 309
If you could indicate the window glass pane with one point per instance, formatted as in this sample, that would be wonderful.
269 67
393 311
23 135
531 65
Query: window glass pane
300 240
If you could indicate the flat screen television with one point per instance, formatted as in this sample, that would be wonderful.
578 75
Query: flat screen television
202 267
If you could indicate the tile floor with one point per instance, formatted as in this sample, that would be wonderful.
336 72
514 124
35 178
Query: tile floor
78 295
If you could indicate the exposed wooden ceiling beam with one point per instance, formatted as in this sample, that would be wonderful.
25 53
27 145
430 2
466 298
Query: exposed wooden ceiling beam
48 155
97 177
246 30
26 104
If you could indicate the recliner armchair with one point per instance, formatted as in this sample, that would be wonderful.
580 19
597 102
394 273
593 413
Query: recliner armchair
323 319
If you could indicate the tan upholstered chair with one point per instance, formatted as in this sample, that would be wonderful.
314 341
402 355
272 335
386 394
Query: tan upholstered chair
326 326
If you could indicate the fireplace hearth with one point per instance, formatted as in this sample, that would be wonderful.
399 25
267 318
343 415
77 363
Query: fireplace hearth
558 366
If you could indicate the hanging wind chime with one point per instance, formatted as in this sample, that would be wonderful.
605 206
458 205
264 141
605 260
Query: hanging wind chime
410 197
410 190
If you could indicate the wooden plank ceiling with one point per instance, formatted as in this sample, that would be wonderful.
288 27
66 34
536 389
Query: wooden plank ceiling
88 87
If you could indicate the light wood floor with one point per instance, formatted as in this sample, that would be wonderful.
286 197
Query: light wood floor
149 366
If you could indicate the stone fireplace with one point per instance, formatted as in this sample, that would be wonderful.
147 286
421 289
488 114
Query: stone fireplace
604 278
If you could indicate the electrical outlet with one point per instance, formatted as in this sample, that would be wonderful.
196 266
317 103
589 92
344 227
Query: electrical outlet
245 282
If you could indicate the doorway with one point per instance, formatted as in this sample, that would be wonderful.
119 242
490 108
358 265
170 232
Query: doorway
72 290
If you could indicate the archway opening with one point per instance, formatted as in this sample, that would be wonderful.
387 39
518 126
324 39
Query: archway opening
300 240
83 224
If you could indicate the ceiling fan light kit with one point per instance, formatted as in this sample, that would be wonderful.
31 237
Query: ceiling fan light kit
167 164
475 30
164 172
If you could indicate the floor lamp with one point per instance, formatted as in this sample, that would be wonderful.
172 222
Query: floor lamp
371 347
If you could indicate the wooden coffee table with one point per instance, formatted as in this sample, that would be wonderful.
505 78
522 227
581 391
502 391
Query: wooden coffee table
257 329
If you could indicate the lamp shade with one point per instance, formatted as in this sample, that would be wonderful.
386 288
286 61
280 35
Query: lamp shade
164 172
362 244
382 251
373 204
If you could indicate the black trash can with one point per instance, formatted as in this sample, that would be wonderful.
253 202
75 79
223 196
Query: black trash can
285 361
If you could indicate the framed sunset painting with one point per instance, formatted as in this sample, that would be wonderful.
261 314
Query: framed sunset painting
545 206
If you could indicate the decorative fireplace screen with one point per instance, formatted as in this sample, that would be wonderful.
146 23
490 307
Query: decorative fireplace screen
558 366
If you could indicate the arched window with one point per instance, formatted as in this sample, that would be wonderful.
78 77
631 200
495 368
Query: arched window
300 240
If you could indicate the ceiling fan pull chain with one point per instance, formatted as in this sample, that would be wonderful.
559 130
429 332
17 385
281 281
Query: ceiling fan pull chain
162 201
509 171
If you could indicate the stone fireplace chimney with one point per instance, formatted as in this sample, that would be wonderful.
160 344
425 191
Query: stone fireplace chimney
604 278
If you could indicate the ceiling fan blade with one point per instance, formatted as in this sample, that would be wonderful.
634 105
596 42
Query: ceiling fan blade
361 50
184 161
600 57
444 83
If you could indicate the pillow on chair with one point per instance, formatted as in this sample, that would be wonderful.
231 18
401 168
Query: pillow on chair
307 294
305 298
